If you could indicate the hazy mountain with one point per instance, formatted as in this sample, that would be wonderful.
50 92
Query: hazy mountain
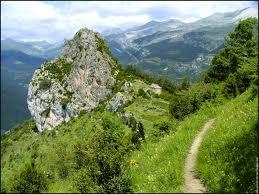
16 72
34 48
111 31
174 48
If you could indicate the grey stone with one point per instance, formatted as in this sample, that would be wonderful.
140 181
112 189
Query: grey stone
117 101
89 82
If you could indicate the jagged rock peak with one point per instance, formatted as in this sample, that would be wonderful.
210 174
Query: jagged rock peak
77 81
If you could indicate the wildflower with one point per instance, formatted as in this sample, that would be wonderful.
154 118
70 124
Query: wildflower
134 163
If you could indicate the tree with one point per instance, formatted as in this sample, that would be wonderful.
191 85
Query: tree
235 64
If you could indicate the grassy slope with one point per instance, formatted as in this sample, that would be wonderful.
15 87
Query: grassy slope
227 158
158 167
53 152
148 111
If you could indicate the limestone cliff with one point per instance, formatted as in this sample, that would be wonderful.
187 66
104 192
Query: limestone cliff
77 81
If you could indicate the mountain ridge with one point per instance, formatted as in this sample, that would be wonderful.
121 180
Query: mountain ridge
133 46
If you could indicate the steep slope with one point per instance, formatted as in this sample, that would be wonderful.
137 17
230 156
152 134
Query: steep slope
77 81
159 166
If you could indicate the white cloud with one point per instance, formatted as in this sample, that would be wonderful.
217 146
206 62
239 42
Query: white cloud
58 20
27 11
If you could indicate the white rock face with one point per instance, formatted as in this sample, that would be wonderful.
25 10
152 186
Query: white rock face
77 81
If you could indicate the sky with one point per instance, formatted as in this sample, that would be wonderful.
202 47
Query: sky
58 20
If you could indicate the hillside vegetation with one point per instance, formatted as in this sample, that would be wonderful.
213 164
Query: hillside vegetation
100 152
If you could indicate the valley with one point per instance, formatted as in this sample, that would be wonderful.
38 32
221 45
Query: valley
17 69
172 49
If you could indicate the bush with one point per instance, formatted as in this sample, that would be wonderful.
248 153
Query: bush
180 106
84 183
109 147
185 84
230 86
165 95
44 84
142 93
190 101
30 180
164 126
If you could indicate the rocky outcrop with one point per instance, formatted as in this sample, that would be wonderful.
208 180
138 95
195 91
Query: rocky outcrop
156 88
77 81
126 86
118 101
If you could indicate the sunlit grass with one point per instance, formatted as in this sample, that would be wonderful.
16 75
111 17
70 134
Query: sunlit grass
227 157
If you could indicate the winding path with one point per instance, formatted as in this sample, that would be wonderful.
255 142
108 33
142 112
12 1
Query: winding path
192 183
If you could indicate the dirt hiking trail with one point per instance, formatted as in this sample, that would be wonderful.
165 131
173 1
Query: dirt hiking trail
192 183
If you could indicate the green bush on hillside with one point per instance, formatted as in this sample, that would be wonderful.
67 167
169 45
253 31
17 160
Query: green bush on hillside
58 69
187 102
163 126
185 84
109 150
44 84
30 180
142 93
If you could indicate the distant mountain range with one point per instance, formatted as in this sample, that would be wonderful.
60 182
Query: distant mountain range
41 49
173 48
170 48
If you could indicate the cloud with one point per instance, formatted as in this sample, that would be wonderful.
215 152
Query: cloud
56 20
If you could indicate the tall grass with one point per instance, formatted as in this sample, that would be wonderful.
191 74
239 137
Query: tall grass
227 157
158 167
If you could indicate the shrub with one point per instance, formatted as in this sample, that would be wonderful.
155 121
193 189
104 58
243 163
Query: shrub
84 183
81 158
164 95
185 84
180 106
142 93
190 101
109 147
230 86
164 126
30 180
44 84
